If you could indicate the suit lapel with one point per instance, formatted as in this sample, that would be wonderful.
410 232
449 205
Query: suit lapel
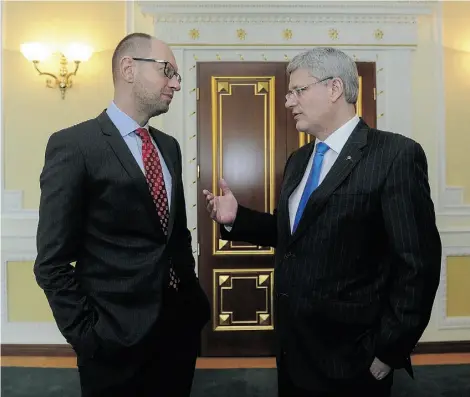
350 155
118 145
165 151
292 180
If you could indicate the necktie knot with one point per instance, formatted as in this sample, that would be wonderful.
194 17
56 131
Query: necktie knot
143 134
322 148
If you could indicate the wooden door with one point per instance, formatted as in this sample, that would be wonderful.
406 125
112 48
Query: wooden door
242 125
245 135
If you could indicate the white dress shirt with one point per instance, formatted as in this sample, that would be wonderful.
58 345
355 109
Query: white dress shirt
335 142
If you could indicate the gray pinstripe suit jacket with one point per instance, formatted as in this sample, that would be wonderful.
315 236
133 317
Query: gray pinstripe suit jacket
358 277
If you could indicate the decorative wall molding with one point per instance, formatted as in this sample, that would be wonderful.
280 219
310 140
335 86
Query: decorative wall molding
2 139
12 201
450 198
130 16
23 332
264 24
166 9
444 321
452 201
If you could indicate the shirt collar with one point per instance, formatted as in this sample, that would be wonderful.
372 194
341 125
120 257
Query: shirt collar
338 138
125 124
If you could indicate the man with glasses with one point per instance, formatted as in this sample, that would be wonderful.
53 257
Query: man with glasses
112 201
358 254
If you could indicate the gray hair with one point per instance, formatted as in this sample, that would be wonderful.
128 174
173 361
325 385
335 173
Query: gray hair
323 62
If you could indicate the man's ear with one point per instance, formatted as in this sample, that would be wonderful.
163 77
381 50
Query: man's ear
127 69
337 89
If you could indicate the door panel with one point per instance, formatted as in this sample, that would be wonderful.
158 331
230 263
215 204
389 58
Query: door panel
241 129
245 135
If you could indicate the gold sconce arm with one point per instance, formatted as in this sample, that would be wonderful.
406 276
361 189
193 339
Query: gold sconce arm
74 52
64 80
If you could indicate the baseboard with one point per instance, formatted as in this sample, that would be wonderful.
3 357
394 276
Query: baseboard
37 350
67 351
442 347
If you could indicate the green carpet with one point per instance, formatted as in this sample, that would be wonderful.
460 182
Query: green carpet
431 381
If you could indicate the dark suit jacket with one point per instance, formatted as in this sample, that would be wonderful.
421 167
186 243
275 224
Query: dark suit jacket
96 210
358 277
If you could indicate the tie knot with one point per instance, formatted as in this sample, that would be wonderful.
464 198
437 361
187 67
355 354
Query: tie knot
322 148
143 133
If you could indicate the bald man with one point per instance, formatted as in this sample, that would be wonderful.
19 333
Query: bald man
112 202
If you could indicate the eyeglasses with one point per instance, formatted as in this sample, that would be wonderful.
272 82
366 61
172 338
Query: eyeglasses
169 69
296 92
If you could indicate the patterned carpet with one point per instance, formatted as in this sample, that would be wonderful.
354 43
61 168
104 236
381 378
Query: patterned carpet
431 381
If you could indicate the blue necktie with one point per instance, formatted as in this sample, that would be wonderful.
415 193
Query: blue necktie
312 181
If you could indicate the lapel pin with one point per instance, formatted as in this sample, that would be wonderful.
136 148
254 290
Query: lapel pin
349 158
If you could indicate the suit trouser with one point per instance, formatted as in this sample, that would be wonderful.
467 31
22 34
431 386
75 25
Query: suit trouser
364 386
166 370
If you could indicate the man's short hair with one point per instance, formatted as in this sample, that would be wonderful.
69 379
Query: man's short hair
131 45
323 62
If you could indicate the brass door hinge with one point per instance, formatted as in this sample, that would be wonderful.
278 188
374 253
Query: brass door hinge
197 94
198 171
375 94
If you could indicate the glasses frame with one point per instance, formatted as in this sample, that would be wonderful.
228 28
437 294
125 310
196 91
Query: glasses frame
168 70
297 92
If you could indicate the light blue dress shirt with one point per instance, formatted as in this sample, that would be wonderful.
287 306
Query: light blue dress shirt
127 127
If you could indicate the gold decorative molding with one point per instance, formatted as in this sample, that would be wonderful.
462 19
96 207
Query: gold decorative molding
232 282
222 86
264 319
222 243
305 138
334 34
241 34
262 278
264 86
224 319
378 34
194 34
287 34
359 99
223 279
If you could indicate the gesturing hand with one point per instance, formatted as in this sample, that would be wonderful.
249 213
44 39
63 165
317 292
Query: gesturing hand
222 209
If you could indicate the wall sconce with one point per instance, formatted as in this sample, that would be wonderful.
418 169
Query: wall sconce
38 52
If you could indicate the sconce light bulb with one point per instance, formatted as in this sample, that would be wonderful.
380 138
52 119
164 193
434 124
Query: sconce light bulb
35 51
78 52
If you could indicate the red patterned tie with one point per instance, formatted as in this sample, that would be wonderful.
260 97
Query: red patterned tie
156 183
